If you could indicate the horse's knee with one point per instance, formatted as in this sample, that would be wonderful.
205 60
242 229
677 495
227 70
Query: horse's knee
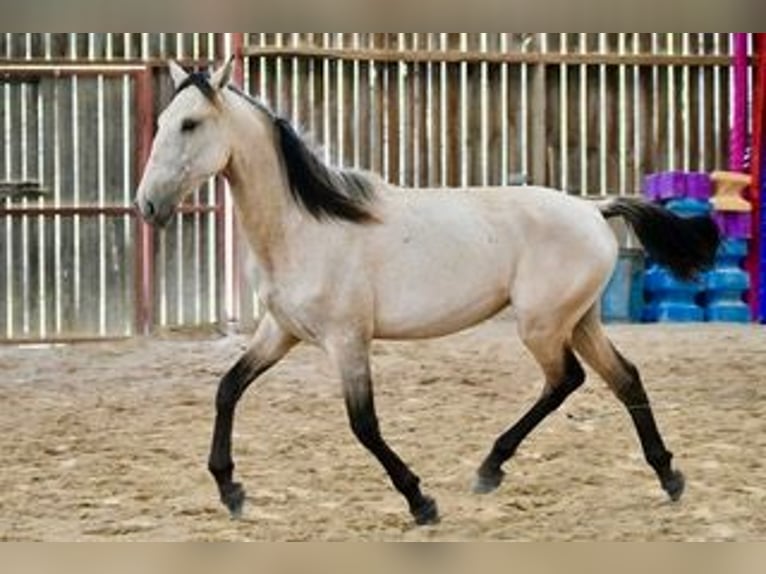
236 381
626 384
572 378
365 427
574 374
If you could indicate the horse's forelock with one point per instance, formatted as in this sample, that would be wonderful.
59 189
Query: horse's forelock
201 81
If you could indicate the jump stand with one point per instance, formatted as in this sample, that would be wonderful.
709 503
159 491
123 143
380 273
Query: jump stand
668 298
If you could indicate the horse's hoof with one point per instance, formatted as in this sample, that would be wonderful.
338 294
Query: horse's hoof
427 513
486 482
234 500
675 485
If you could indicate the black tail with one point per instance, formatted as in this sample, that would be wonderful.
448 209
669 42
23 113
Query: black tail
686 246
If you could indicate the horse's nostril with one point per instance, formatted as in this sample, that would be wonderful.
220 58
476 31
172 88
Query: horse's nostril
149 209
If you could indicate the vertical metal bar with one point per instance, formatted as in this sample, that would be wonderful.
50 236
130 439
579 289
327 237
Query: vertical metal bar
702 129
58 137
196 48
180 47
564 114
717 103
357 128
656 105
429 127
144 233
583 117
402 73
326 101
602 123
464 151
9 270
279 83
622 106
638 119
671 103
24 144
686 106
312 89
227 221
505 167
76 175
443 107
524 135
340 102
196 263
127 163
180 219
484 112
102 202
539 144
296 83
41 222
415 106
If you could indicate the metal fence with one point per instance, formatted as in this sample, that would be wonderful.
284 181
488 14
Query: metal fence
589 113
77 113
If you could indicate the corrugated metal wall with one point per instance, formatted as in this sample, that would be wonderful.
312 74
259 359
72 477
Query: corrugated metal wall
590 113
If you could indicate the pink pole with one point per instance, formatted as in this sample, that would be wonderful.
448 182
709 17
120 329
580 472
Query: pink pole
738 136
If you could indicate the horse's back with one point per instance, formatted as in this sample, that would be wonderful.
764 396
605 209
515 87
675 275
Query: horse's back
446 259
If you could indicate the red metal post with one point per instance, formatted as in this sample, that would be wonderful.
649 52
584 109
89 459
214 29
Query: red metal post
144 233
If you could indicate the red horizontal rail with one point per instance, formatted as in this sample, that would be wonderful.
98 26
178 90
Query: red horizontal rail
94 211
23 341
39 68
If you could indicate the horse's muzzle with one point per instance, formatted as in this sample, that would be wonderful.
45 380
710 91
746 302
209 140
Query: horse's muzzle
152 214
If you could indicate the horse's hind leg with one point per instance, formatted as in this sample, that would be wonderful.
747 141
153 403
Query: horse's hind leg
563 375
270 344
623 379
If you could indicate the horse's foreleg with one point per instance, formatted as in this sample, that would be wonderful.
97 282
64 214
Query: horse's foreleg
353 362
563 376
270 344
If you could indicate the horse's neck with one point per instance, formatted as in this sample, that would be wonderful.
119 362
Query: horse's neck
258 185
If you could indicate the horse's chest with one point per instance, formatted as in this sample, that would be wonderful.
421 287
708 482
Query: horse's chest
294 308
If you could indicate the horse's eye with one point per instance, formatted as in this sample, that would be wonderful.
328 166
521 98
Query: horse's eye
189 125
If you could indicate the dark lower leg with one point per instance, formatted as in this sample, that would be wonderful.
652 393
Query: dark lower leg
364 424
220 463
490 472
633 396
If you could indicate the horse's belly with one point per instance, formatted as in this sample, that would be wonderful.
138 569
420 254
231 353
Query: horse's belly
434 307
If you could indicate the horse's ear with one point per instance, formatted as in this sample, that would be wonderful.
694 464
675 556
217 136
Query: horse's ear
178 74
222 76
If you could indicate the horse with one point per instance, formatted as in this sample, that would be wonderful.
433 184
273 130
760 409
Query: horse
344 258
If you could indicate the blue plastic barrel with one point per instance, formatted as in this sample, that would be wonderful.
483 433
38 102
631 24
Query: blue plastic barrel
623 298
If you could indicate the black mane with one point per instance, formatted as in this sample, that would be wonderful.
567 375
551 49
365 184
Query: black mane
324 192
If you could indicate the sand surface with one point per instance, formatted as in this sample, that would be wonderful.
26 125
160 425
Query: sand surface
109 441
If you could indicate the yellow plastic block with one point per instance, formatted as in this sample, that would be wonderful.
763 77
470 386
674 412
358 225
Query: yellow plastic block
729 186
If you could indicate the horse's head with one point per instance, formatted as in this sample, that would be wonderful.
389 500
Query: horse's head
191 144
